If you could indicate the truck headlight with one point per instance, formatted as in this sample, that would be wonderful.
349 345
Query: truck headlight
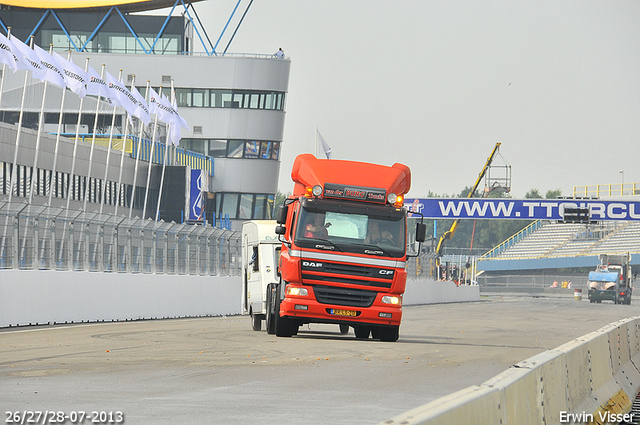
392 299
302 292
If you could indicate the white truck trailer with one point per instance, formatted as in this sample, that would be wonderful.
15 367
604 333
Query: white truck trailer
260 256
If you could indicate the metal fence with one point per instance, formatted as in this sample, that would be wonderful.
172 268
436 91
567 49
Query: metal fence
46 238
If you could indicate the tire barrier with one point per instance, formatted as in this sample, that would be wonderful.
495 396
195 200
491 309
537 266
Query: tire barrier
590 380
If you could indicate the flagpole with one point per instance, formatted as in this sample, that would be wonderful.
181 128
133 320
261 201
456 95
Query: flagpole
124 144
164 166
135 172
15 154
18 134
166 158
106 168
4 68
6 222
39 136
93 143
55 151
153 143
75 146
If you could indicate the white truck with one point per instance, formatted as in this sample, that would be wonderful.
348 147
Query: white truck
260 256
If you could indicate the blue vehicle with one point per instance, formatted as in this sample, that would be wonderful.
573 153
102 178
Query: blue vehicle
612 280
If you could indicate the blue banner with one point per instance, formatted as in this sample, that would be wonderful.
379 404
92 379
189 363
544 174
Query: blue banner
527 209
196 203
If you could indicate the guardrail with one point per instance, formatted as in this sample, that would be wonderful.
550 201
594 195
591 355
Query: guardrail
592 379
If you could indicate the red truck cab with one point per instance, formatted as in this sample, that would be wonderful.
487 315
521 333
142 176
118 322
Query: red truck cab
344 233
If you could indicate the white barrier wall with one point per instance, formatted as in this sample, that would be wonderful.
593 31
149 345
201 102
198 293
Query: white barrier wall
44 296
30 297
592 379
436 292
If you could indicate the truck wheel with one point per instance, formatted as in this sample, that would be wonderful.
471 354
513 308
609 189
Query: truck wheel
256 321
283 325
362 332
344 329
271 328
388 334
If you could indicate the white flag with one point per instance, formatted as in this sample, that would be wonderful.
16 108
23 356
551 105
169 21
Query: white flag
178 118
121 96
325 147
29 61
7 53
74 76
176 122
160 106
52 71
97 86
141 109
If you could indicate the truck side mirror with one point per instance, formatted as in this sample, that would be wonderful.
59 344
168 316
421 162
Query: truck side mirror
281 217
421 232
281 230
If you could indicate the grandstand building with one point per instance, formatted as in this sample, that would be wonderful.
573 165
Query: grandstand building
551 249
234 105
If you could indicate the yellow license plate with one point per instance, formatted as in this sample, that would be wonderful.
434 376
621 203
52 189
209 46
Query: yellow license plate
339 312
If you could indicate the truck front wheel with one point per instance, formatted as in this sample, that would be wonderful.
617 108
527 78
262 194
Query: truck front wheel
283 325
362 332
387 333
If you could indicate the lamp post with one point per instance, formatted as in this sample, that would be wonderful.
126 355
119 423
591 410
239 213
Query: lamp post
622 183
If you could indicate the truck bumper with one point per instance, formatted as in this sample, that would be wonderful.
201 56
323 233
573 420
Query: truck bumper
310 311
598 295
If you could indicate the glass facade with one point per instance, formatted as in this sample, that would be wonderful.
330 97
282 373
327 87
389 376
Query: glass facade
219 148
225 98
246 206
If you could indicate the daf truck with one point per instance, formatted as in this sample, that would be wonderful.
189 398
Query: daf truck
344 248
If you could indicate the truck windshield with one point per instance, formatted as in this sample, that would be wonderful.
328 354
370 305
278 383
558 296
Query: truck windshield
602 285
341 226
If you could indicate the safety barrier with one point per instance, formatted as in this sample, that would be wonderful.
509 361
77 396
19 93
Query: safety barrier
592 379
43 238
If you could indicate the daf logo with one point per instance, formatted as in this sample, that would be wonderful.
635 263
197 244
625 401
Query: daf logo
311 264
385 272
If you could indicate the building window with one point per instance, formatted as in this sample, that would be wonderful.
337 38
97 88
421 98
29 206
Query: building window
246 206
225 98
220 148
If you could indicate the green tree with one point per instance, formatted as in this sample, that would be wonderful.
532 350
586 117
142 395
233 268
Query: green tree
533 194
552 194
280 197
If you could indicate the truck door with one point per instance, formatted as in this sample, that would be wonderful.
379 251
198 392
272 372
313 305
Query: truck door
254 281
245 273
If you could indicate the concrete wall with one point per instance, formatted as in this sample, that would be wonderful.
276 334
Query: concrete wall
436 292
30 297
588 380
43 296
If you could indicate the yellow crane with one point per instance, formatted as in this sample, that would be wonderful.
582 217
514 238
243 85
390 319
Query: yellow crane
449 233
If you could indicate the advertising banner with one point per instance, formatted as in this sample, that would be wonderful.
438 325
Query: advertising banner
527 209
196 201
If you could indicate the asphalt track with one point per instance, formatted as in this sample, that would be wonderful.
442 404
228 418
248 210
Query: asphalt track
218 371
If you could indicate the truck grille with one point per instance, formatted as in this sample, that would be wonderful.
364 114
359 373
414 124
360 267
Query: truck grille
344 296
329 272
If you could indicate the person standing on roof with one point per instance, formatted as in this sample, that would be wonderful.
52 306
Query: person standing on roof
279 54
